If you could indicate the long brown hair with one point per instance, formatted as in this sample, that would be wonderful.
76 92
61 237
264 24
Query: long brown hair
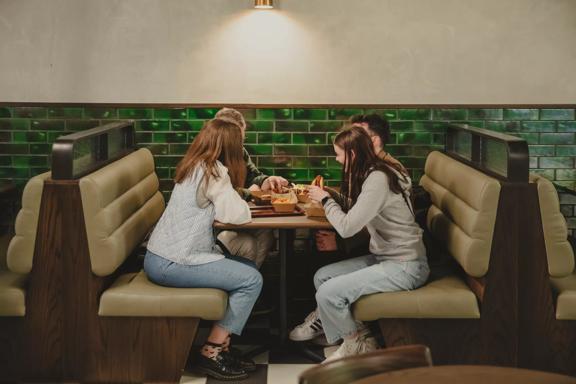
217 140
360 160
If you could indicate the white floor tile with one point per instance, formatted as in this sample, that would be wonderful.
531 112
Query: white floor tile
191 378
286 373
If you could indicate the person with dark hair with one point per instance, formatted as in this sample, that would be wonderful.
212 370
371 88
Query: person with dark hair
375 198
182 251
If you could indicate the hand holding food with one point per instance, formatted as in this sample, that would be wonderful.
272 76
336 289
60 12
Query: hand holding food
274 183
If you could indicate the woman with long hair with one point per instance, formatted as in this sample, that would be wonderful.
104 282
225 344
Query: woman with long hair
182 251
376 197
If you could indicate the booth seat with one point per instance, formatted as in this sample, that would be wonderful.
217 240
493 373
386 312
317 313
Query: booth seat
559 252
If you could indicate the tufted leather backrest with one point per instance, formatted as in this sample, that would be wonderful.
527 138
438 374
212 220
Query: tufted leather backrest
21 249
463 210
558 250
121 203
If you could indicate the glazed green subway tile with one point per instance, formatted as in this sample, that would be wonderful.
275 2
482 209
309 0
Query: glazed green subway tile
135 113
5 136
30 112
152 125
401 126
186 125
424 150
325 126
414 138
399 150
566 126
320 162
202 113
449 114
172 137
274 114
292 126
566 150
331 137
14 124
344 114
5 112
158 149
163 173
556 114
167 161
38 170
521 114
248 113
428 126
260 125
556 162
144 137
531 138
485 114
321 150
566 210
251 138
14 149
30 161
292 174
541 150
80 125
101 113
13 172
52 136
5 161
178 149
29 137
504 126
415 114
274 138
260 149
170 113
300 162
332 174
416 174
190 137
310 114
65 113
413 162
309 138
37 148
538 126
388 114
267 171
572 186
48 125
566 174
557 138
438 139
295 150
275 162
547 173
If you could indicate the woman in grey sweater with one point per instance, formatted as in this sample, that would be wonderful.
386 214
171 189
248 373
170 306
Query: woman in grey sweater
377 197
182 251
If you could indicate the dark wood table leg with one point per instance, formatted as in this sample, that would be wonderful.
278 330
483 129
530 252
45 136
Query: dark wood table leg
286 237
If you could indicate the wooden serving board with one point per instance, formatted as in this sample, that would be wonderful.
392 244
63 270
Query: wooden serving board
268 211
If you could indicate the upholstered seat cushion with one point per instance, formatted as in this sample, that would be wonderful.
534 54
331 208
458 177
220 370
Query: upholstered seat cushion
12 294
566 302
447 297
134 295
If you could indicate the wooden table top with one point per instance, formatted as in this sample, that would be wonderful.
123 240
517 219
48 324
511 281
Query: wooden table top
281 222
468 374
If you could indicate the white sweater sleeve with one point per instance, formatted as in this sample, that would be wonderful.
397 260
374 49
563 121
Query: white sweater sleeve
369 203
230 207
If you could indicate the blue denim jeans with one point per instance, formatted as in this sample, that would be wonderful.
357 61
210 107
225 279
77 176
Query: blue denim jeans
340 284
237 276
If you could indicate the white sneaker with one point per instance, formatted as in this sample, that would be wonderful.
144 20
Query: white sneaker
309 329
356 346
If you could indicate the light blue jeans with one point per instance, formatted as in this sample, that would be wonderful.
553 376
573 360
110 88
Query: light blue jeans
340 284
237 276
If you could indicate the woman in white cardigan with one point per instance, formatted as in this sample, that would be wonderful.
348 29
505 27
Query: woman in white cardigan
182 251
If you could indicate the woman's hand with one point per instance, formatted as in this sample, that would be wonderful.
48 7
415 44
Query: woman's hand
317 193
326 241
274 183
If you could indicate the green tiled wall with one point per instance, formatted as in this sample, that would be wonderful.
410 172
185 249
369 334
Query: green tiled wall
294 143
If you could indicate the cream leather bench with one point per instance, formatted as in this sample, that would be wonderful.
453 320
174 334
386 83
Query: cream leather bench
447 310
17 253
121 203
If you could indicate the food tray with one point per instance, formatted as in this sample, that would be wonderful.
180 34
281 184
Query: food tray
268 211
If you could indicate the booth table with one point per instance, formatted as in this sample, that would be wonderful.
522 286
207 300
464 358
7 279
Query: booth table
286 226
469 374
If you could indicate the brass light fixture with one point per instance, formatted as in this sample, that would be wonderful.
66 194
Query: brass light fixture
264 4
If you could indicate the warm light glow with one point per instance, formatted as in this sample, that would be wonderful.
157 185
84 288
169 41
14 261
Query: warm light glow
264 4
